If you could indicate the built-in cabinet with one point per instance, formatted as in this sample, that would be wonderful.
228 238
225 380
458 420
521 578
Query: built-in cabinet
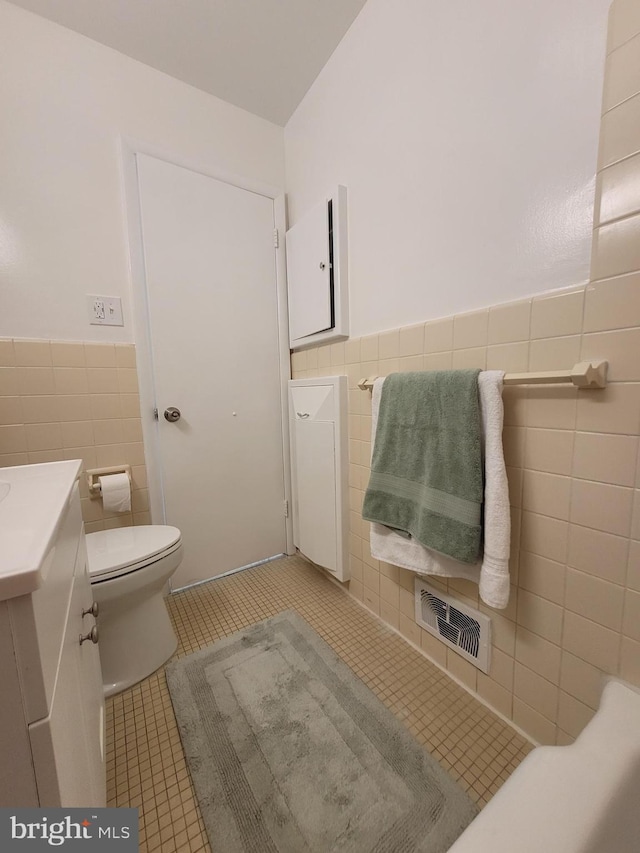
317 273
52 711
319 459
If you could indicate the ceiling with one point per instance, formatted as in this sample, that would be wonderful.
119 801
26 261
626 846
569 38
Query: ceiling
261 55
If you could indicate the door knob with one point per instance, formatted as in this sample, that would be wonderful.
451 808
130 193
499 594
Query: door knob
91 611
172 414
92 635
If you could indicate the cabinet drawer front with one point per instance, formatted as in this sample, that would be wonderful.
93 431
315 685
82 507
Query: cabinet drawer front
38 620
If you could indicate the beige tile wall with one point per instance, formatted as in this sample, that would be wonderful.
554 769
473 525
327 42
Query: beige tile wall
572 466
572 456
62 400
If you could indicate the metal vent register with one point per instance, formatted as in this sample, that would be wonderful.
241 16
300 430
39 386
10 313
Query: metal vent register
462 628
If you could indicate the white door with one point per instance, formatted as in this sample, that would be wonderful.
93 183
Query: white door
213 326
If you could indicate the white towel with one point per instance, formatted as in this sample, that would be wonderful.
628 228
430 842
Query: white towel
492 574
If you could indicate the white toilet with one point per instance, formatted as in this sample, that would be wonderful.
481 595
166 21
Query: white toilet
129 568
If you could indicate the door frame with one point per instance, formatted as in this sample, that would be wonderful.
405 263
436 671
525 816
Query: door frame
140 313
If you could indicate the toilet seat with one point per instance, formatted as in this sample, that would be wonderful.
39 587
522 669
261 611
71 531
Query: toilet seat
117 552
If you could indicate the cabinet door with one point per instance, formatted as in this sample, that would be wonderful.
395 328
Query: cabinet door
91 689
17 780
309 274
68 744
58 742
39 619
314 468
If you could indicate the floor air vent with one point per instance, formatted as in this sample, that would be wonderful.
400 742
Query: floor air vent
465 630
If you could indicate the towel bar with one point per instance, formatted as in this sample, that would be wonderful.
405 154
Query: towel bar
585 374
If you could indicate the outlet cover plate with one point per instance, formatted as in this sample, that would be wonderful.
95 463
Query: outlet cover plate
104 310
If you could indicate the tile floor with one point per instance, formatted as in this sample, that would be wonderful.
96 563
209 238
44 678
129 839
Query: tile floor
145 764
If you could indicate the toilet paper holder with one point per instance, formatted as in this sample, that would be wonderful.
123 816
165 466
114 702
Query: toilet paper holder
93 482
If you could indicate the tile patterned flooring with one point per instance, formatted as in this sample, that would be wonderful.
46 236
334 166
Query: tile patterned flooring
145 764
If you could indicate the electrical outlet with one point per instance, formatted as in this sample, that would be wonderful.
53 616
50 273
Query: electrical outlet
98 309
105 310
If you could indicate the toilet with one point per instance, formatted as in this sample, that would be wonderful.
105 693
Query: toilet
129 568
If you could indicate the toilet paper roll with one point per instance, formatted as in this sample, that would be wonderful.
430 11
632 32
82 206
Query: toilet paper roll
116 492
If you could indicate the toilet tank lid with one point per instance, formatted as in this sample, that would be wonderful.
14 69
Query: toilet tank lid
108 550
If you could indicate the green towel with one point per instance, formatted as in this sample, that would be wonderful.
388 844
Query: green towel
426 470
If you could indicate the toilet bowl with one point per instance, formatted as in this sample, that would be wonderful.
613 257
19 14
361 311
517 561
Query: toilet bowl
129 568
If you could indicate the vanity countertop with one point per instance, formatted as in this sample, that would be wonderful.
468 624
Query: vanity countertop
32 503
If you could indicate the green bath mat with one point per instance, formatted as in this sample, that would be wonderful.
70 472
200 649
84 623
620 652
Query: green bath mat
290 752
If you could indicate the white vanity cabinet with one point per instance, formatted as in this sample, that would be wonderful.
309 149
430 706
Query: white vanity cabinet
52 707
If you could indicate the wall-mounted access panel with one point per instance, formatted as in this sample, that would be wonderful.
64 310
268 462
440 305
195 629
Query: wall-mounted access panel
319 471
317 276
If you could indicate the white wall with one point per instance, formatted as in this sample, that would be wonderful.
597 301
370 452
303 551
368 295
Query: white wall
466 133
65 102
